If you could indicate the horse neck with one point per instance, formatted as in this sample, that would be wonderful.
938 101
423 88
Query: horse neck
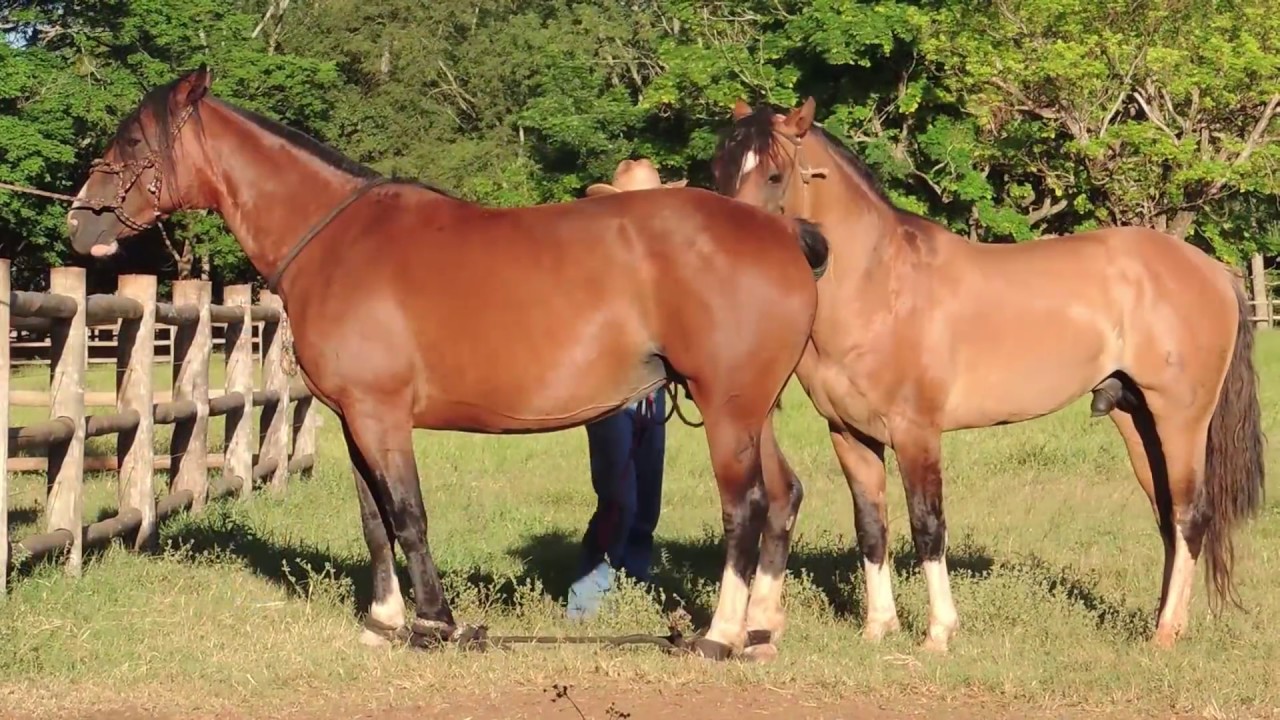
856 219
268 191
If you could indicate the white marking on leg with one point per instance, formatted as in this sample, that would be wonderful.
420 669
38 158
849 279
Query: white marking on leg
729 622
943 619
765 609
882 613
388 611
764 612
1173 616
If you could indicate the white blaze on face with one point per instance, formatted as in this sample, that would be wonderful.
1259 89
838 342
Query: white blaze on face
72 222
749 163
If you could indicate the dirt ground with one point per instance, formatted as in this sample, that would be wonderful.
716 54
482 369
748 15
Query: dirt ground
711 703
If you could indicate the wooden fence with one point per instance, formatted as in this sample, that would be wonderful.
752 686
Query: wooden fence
286 428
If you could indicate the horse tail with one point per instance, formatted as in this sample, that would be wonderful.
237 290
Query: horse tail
814 245
1234 481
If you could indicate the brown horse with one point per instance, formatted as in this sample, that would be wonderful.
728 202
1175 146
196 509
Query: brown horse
412 309
920 332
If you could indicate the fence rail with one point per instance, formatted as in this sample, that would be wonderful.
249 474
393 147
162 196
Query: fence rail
1265 313
286 427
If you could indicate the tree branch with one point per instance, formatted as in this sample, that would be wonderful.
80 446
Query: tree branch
1255 137
1047 210
1153 114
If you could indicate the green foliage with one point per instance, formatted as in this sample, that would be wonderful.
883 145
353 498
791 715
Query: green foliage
1003 120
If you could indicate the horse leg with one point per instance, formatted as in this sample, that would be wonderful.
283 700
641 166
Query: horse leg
384 440
386 611
1182 440
1138 430
765 616
919 455
735 457
862 460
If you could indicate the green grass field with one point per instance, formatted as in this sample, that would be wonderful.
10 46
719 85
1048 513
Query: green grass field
254 606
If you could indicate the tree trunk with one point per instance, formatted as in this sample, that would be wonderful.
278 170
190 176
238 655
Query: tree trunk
1181 224
185 260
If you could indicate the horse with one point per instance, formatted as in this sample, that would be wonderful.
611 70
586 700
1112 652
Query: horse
413 309
921 332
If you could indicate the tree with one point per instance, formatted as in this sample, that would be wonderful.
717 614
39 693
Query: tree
1118 112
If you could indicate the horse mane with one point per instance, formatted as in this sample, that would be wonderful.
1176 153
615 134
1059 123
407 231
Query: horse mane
754 133
156 103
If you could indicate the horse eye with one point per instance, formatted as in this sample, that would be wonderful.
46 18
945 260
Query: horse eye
133 142
775 177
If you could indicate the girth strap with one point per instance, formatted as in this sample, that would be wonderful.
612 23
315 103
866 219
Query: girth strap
274 281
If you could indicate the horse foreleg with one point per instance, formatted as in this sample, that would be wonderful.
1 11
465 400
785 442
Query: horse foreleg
862 461
386 610
386 447
765 616
920 460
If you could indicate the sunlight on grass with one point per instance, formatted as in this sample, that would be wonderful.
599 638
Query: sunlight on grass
1054 555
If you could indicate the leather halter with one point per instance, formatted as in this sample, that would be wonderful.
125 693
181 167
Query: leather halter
127 174
274 281
807 174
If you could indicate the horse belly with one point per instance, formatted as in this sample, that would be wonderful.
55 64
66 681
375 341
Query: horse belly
1030 369
545 386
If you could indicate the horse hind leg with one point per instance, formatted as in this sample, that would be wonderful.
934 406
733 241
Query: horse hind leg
765 615
1146 456
1167 448
733 438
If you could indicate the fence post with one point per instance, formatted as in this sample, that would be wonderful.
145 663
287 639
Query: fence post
69 355
1261 301
193 343
135 352
274 445
4 422
238 348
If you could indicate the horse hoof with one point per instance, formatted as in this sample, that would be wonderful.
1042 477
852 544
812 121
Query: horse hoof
430 634
875 631
935 645
762 653
374 639
710 649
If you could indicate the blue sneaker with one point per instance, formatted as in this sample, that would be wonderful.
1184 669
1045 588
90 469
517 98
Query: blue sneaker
586 594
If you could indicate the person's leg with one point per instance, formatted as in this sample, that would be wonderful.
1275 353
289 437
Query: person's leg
650 455
610 443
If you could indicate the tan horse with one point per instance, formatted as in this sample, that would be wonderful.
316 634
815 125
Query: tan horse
920 332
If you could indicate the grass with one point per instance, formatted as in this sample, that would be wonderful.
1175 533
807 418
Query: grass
1054 555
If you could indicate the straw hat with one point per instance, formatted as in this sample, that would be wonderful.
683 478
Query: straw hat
633 175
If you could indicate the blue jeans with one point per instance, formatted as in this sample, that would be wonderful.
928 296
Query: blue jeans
627 454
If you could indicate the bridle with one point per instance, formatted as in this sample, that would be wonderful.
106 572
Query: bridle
127 174
807 174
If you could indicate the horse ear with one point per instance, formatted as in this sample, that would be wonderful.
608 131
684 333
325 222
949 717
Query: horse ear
741 109
800 119
197 84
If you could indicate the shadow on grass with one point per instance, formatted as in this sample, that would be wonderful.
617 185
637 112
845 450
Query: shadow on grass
682 574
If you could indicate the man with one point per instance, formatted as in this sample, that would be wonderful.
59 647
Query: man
627 453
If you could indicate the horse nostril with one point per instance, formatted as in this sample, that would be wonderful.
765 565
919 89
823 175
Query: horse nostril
72 223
